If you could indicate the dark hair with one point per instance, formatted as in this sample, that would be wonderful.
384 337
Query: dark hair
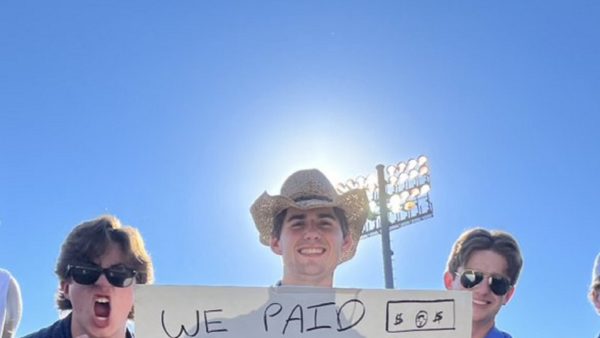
478 239
594 288
280 217
90 240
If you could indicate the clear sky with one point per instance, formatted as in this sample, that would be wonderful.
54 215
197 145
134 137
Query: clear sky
176 116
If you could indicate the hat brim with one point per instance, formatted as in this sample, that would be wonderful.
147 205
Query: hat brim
354 203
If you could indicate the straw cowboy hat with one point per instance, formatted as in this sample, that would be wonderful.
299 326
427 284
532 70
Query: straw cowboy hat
310 189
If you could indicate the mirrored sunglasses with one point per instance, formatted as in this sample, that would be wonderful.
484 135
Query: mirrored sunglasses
498 284
87 275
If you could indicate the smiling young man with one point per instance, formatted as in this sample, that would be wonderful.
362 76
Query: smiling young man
487 263
310 226
98 265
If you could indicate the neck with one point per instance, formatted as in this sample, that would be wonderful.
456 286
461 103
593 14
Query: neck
326 282
480 330
77 331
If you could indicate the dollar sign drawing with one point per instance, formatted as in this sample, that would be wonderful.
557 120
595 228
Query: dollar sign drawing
398 319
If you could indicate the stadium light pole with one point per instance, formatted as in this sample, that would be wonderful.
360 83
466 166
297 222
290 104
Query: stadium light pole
401 192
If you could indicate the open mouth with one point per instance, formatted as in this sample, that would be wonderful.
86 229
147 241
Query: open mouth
102 308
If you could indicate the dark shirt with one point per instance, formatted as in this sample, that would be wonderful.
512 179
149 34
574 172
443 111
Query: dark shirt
60 329
495 333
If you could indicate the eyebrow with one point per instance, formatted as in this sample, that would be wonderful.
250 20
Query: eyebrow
327 215
301 217
296 217
488 274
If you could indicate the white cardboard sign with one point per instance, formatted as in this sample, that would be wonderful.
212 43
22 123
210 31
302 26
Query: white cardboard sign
299 312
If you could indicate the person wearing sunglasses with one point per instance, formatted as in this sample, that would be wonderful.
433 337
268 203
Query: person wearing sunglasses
98 264
487 263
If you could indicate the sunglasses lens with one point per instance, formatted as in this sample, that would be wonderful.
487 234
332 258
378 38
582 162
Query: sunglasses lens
120 277
500 285
85 276
469 278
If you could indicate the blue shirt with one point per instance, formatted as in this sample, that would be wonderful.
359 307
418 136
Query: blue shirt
495 333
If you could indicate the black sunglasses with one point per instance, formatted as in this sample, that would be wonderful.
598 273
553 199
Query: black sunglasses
498 284
120 277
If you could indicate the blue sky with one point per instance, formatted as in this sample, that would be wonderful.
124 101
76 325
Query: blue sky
175 117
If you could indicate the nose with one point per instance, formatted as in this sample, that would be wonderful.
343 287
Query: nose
484 286
102 281
312 231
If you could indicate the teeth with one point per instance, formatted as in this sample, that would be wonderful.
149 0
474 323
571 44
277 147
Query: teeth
479 302
312 251
102 300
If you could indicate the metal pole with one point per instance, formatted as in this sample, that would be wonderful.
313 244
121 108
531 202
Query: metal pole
385 229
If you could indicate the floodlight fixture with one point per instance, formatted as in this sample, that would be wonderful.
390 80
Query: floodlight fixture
398 196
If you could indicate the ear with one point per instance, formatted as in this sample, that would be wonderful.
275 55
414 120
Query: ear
347 244
448 280
275 247
64 288
508 295
596 300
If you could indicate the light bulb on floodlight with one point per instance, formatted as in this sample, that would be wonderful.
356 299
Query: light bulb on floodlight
413 174
403 178
395 203
371 182
404 195
425 188
401 166
393 180
372 178
408 206
374 207
414 192
422 159
391 170
411 164
371 187
361 181
424 170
